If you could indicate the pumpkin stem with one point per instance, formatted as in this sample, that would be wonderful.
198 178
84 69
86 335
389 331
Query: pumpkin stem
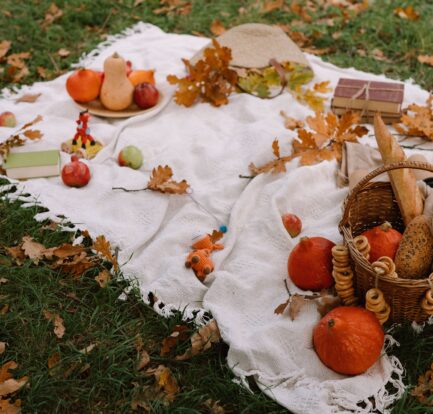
385 226
331 323
115 55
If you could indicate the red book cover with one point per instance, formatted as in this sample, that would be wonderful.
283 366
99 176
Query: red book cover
377 91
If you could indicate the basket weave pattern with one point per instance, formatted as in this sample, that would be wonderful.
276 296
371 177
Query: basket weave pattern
368 205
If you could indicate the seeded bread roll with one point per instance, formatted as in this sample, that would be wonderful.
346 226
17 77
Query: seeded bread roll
414 256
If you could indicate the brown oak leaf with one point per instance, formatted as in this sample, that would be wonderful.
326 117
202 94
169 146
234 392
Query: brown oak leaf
29 98
161 181
103 247
271 5
417 120
423 392
428 60
408 13
179 334
59 328
5 45
217 28
291 123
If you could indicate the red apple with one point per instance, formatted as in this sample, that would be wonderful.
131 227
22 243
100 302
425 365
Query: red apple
76 173
292 223
102 75
128 67
7 119
146 95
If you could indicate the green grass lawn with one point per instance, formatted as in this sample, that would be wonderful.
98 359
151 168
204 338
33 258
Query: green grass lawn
106 379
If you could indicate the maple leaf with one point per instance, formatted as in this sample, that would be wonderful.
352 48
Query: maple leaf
217 28
210 79
103 247
428 60
161 181
418 120
202 340
59 328
30 98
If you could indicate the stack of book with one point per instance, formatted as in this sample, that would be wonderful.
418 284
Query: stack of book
369 97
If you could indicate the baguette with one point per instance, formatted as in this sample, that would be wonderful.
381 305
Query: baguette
403 181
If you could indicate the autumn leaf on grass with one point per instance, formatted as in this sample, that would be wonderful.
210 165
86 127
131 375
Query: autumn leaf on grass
103 247
210 79
9 385
29 98
7 407
17 254
59 328
217 28
202 340
63 52
53 360
52 14
32 249
2 347
75 265
180 333
408 13
143 355
428 60
161 181
166 381
271 5
5 45
423 392
418 120
214 407
103 278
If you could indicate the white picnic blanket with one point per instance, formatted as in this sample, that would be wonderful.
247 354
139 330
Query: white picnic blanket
210 147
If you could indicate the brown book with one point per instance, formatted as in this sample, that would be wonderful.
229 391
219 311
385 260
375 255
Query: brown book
382 96
368 116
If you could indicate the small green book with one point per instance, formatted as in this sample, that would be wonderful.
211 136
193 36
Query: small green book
23 165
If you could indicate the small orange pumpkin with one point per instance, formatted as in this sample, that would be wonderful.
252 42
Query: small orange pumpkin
84 85
310 263
383 240
348 340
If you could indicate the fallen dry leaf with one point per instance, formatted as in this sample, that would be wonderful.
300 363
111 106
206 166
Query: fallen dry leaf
17 254
42 72
4 309
202 340
424 390
103 278
32 249
143 361
291 123
428 60
17 59
5 45
4 370
3 280
161 181
53 360
316 51
30 98
322 87
88 349
103 247
408 13
59 328
66 250
52 14
12 385
63 52
32 134
2 347
179 334
214 407
165 380
6 407
271 5
217 28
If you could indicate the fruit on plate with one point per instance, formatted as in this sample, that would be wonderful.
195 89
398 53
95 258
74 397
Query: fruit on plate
75 173
117 91
130 156
383 240
84 85
348 340
292 223
310 263
146 95
7 119
140 76
414 257
128 67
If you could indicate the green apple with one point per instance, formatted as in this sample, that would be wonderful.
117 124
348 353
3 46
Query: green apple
130 156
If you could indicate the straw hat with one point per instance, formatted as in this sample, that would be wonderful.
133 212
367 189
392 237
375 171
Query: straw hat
253 45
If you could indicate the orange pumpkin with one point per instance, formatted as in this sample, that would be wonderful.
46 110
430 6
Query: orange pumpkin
310 263
84 85
348 340
383 240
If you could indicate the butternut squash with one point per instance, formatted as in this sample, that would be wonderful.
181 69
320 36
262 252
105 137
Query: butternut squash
117 91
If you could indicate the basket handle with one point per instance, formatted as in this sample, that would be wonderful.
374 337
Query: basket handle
417 165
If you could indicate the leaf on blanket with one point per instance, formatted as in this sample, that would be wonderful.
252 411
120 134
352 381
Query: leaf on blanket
161 181
276 148
217 28
311 97
291 123
279 310
103 247
29 98
417 120
32 134
423 392
59 328
322 87
202 340
180 333
210 79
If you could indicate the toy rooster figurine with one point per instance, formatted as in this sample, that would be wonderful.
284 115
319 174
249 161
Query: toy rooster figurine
83 145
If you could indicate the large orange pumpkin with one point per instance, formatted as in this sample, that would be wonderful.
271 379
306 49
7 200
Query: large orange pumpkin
84 85
310 263
348 340
383 240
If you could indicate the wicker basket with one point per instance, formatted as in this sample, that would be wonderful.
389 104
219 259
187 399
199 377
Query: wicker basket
368 205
